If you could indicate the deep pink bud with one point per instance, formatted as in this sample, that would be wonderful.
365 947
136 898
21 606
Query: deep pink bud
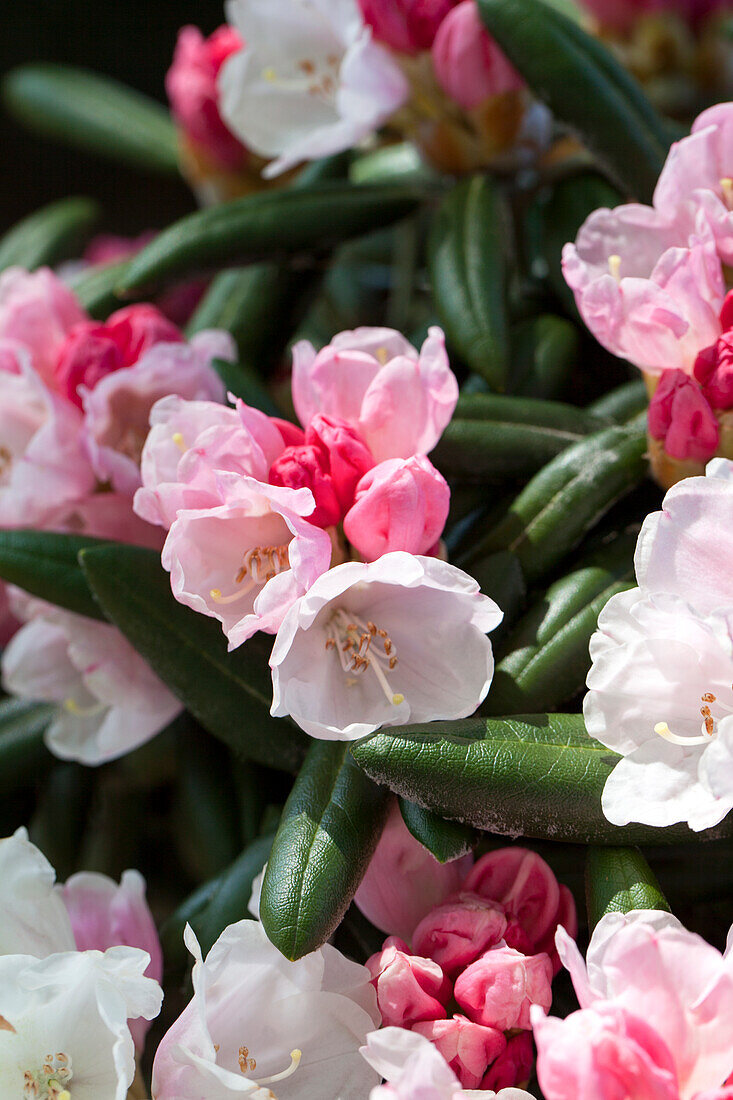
136 329
460 930
680 415
87 355
401 504
714 371
513 1066
567 916
499 989
302 468
468 1048
408 988
726 313
408 26
343 453
192 90
524 884
469 65
293 435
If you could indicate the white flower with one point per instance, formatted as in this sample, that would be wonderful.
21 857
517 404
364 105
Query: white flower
402 639
264 1027
310 81
33 917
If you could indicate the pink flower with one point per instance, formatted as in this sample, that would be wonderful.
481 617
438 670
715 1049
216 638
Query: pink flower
469 65
468 1048
38 311
408 988
365 647
499 989
714 371
246 561
399 401
407 26
457 932
401 504
515 1063
680 415
404 880
106 516
109 248
300 467
191 84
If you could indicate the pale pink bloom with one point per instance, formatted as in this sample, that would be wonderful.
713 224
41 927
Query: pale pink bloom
414 1070
117 410
106 516
409 988
365 647
302 1023
401 504
194 97
246 561
681 417
655 1002
398 400
469 1048
38 311
457 932
109 700
309 82
404 880
406 26
469 65
499 989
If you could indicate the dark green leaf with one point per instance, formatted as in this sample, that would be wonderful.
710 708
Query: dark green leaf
243 382
544 351
47 566
623 403
229 694
329 829
96 288
468 268
227 903
447 840
584 86
23 755
500 576
93 112
53 233
618 880
207 816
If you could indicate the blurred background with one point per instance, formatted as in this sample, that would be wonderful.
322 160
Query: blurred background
130 40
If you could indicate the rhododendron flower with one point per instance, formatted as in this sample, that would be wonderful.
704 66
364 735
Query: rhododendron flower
37 310
257 1021
680 415
460 930
33 917
469 65
414 1070
407 26
409 988
399 400
194 96
365 647
654 1004
404 880
499 988
309 82
109 699
248 560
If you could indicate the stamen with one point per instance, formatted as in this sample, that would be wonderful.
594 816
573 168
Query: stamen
352 639
261 564
295 1056
614 266
83 712
726 186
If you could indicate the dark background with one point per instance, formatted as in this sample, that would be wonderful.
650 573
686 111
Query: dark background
131 40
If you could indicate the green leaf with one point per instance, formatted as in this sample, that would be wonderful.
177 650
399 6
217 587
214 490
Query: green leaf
538 776
389 163
328 831
273 224
492 436
96 289
623 403
544 350
500 576
47 566
584 86
241 380
229 694
92 112
228 901
618 880
546 656
23 756
206 802
467 260
567 498
446 840
50 235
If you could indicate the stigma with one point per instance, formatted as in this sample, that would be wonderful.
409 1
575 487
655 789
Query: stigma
361 647
259 565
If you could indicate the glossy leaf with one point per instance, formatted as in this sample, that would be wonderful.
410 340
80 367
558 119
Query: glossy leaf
96 289
229 693
51 234
618 880
623 403
544 351
328 831
447 840
47 566
468 269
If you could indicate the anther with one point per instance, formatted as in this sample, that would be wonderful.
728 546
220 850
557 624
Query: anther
726 186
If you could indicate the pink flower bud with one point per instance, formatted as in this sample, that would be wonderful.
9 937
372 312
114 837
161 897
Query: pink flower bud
293 435
136 329
88 354
302 468
726 312
499 989
468 1048
567 918
714 371
192 90
38 311
524 884
406 25
401 504
513 1066
469 65
408 988
680 415
459 931
344 454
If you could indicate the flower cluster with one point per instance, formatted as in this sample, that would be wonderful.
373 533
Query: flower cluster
326 535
